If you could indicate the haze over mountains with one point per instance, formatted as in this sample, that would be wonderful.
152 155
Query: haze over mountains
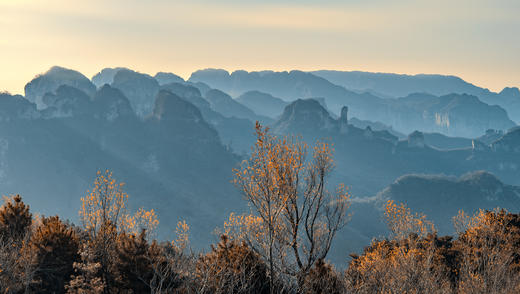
175 142
451 114
395 85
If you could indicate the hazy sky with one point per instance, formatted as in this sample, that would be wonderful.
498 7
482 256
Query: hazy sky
478 40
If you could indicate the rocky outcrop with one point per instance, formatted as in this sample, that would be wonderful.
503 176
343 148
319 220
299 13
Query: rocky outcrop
50 81
67 101
111 104
343 120
416 140
190 93
140 89
106 76
164 78
13 107
304 116
169 106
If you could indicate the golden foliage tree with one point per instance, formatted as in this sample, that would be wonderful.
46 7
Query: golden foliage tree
104 215
402 222
415 260
295 218
489 242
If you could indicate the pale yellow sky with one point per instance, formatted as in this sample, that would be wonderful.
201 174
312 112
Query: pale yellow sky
478 40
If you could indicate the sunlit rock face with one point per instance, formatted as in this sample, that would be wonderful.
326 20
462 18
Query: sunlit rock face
140 89
453 115
52 80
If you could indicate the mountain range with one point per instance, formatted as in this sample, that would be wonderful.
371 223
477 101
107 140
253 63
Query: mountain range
452 114
400 85
175 143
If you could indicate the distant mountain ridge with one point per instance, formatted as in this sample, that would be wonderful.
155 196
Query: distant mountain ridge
441 197
426 112
368 158
400 85
172 161
175 143
52 79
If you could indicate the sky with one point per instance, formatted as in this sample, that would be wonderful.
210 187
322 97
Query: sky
478 40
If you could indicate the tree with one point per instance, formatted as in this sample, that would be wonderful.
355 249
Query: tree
104 215
134 264
231 267
104 205
322 279
16 267
15 219
88 277
489 242
402 222
171 269
294 218
55 248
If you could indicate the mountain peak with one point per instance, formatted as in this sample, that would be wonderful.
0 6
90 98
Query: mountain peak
164 78
510 91
111 104
302 116
169 106
106 76
51 80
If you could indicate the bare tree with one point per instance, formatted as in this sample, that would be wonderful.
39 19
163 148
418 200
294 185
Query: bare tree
294 217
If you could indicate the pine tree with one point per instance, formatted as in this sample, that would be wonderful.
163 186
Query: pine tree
55 248
322 279
88 275
232 267
134 265
15 219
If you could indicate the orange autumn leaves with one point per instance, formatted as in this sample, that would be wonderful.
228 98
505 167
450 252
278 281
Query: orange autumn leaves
293 218
106 204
